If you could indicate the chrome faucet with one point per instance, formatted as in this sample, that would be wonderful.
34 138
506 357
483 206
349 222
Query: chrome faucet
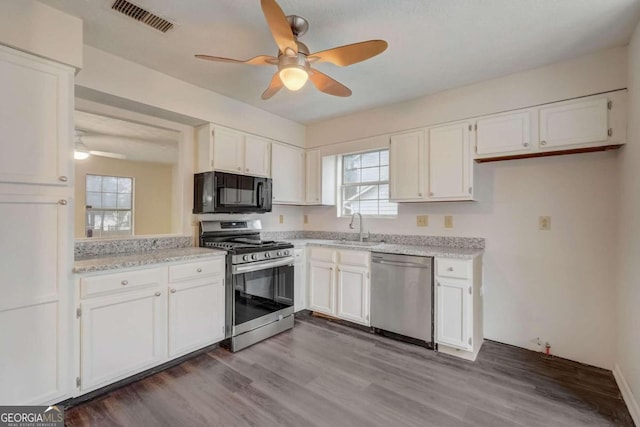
353 217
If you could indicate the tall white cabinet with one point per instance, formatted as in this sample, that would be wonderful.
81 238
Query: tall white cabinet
36 247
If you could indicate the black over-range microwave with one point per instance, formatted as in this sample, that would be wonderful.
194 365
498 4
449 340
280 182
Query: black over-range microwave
221 192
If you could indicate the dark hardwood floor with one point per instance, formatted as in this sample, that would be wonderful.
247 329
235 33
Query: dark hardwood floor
325 374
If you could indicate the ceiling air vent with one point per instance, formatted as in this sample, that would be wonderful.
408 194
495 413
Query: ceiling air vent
141 15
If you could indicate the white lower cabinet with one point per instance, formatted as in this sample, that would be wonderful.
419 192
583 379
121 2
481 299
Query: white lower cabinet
458 306
130 321
339 283
299 281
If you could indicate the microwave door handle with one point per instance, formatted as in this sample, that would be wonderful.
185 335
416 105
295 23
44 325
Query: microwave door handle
260 194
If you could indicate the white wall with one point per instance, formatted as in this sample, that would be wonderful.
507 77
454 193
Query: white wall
292 218
558 285
39 29
110 74
628 355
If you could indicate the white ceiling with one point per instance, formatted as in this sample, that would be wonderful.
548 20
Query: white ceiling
433 44
135 141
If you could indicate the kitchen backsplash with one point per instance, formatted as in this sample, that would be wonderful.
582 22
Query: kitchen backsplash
399 239
86 248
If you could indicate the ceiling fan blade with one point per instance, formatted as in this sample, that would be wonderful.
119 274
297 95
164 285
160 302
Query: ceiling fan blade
279 26
107 154
328 85
350 54
275 85
257 60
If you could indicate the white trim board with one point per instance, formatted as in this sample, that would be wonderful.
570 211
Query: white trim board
627 394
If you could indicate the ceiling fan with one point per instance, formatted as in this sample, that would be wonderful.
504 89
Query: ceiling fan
81 151
294 60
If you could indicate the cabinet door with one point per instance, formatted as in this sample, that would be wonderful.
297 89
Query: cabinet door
450 162
407 164
35 313
288 174
322 292
313 191
228 150
300 281
574 123
453 313
122 335
35 120
506 133
257 156
353 294
196 315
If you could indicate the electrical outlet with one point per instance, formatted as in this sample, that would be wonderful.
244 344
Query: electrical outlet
544 223
306 219
281 219
422 220
448 221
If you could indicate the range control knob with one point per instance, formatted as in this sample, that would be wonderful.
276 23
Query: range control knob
279 253
267 255
286 252
245 258
254 256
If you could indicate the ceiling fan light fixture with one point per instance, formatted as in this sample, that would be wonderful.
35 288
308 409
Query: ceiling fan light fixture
80 151
294 77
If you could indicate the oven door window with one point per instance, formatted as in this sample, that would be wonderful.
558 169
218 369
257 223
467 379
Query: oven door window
262 292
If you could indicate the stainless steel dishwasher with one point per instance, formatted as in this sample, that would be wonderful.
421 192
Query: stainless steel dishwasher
402 296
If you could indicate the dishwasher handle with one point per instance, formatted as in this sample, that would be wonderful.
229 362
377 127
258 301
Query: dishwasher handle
400 263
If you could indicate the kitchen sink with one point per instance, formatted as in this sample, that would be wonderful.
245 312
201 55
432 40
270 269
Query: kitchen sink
354 243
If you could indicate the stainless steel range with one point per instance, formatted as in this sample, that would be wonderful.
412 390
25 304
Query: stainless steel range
259 281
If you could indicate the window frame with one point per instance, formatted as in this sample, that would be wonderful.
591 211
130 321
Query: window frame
341 185
105 233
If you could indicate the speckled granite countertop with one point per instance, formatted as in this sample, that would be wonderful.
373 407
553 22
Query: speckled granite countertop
94 264
433 251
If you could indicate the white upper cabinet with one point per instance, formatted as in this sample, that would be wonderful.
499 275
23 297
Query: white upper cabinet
288 174
504 134
576 122
320 187
257 156
227 150
450 167
407 167
35 120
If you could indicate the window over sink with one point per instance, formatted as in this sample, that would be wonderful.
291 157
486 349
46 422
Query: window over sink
364 185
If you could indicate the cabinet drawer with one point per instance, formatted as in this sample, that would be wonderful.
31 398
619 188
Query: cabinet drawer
353 258
195 270
321 254
457 269
119 282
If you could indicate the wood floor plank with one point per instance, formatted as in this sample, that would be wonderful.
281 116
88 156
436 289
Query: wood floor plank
323 373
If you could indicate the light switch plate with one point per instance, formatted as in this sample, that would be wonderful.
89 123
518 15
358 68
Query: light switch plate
544 223
448 221
281 219
306 219
422 220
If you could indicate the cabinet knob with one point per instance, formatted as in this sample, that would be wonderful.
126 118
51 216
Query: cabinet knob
247 169
124 282
62 202
63 178
239 168
420 194
438 283
158 294
199 270
526 144
450 269
543 142
431 194
173 291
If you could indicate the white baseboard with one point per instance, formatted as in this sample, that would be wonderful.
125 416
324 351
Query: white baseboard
627 394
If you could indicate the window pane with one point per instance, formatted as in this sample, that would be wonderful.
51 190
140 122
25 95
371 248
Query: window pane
384 157
124 185
349 208
351 176
109 184
370 174
370 159
369 192
124 201
110 220
384 192
109 200
369 207
349 193
124 220
94 200
351 162
384 173
94 183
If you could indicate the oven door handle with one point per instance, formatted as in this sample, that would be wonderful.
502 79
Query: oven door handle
263 265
